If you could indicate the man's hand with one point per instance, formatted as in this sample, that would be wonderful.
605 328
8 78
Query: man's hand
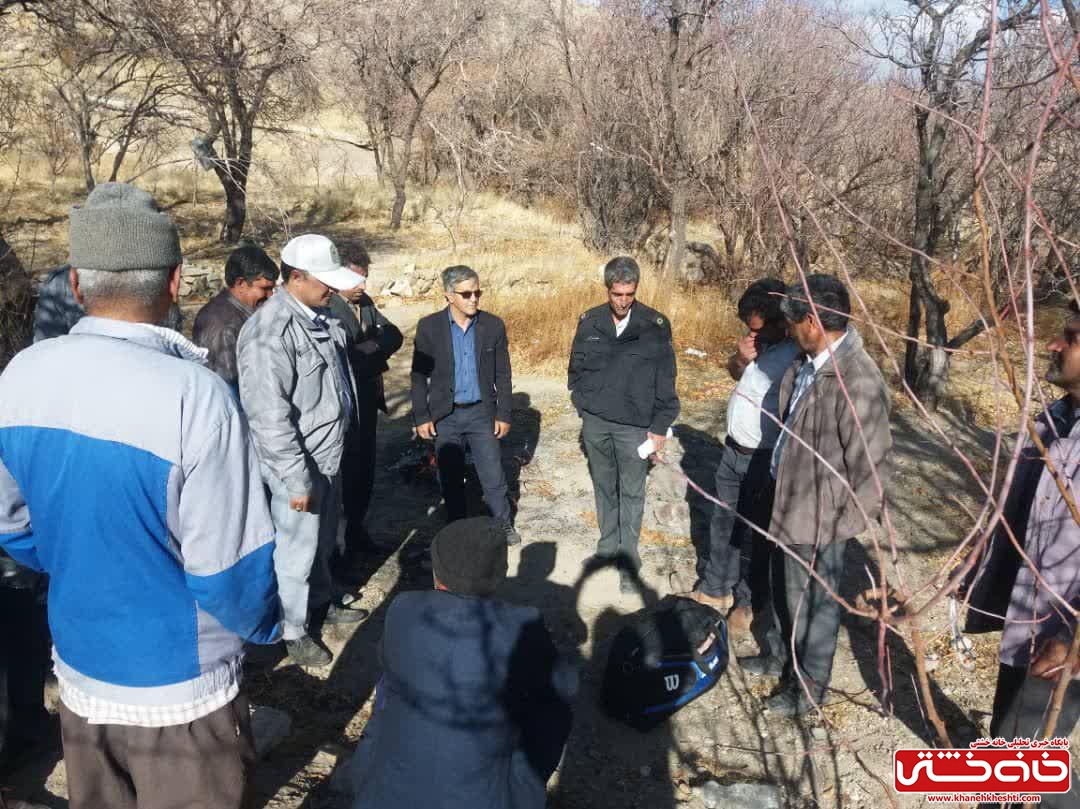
658 445
426 430
355 294
746 349
301 503
501 428
1050 659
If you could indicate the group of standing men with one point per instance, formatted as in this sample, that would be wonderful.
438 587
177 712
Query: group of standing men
180 514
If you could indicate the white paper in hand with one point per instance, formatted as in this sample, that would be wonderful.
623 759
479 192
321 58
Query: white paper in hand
648 447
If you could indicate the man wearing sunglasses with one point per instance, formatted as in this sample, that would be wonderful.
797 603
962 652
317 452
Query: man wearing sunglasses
461 394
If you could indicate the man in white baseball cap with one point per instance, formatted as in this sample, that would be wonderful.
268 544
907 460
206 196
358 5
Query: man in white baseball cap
299 395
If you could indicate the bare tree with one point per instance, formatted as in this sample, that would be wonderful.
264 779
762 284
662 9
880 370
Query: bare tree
931 42
399 58
113 97
245 64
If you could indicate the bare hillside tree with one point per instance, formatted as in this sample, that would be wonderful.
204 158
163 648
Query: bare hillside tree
399 58
931 43
246 65
112 97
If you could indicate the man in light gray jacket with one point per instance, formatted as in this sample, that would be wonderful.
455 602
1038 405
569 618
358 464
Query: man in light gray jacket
828 450
298 392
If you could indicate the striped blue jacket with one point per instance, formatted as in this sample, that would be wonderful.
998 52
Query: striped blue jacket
127 475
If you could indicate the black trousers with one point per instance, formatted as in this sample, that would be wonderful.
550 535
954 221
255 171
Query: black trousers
24 664
804 614
358 477
1021 704
471 428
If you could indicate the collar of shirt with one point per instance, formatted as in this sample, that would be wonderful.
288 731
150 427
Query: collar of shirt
620 325
822 357
450 314
318 316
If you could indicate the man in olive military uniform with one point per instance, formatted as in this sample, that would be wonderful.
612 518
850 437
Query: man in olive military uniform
622 382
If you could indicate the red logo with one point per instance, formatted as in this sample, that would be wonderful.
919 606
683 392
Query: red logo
995 770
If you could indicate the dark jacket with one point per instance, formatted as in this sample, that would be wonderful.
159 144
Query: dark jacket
474 706
373 340
628 379
433 367
57 310
217 327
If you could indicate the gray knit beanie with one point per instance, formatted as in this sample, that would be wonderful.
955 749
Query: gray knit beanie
121 227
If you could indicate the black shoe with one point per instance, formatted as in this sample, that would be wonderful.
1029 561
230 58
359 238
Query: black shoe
512 536
338 614
761 666
787 703
307 651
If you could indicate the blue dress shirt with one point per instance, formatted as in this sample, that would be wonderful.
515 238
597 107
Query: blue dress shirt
466 373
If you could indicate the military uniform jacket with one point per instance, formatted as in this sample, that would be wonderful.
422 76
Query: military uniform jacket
628 379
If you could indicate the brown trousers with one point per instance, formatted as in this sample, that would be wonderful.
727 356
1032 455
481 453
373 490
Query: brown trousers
205 764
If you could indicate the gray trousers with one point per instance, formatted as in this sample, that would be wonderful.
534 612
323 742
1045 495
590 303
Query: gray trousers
1021 705
618 477
206 763
737 563
805 614
304 542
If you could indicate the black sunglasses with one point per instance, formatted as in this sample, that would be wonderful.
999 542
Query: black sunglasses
469 293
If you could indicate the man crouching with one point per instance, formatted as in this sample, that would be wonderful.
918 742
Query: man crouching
473 688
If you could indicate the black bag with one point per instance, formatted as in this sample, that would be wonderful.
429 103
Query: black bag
655 666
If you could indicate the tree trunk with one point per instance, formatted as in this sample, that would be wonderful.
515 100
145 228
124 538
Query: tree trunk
933 373
233 174
88 166
677 255
232 228
401 165
399 203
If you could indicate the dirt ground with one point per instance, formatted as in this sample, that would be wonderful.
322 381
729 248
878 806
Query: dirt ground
839 759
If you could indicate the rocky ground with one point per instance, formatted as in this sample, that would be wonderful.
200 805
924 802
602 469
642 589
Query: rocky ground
841 758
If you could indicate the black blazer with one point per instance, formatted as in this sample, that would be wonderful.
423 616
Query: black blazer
433 367
372 341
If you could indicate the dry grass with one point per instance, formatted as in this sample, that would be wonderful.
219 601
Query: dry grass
542 324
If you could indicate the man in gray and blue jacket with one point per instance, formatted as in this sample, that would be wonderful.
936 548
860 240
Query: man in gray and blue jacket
298 391
127 475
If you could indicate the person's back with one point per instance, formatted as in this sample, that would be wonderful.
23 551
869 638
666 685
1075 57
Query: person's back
104 430
126 475
474 703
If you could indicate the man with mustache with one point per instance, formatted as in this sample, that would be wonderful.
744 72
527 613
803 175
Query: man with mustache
1038 628
299 395
250 276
